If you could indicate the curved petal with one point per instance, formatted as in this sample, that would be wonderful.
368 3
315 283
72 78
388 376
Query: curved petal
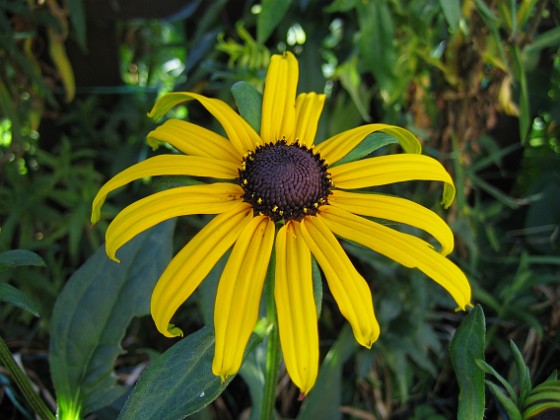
240 133
192 139
383 170
297 311
164 165
348 287
338 146
398 210
181 201
278 109
239 294
191 265
308 111
405 249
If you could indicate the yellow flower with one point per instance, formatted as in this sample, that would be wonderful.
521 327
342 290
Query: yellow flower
279 190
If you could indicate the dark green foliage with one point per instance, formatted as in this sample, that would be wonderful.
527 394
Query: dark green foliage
478 82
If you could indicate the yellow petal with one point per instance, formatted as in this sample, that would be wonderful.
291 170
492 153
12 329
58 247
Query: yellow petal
192 139
165 165
405 249
308 111
338 146
348 287
191 265
296 308
239 295
181 201
278 110
240 133
397 210
383 170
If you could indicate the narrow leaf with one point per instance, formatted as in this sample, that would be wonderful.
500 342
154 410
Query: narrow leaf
466 347
10 294
91 315
19 257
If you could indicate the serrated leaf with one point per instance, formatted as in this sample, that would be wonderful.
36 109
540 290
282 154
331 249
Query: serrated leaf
179 382
91 315
249 103
466 347
10 294
19 257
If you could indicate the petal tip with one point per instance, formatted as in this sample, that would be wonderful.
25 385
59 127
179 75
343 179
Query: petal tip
173 331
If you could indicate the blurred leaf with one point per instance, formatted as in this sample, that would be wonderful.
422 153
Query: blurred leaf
508 405
78 19
92 313
466 347
350 79
550 38
270 16
452 11
60 60
10 294
376 43
524 109
249 103
323 402
19 257
524 377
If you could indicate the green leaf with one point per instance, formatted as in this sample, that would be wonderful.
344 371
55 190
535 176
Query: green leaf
325 398
10 294
466 347
452 11
377 43
367 146
91 315
19 257
249 103
270 16
523 373
507 403
180 382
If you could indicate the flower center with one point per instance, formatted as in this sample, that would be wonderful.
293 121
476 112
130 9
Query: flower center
284 181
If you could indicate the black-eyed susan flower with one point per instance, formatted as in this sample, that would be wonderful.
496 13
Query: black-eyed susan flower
280 190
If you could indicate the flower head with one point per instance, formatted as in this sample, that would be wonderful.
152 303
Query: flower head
279 191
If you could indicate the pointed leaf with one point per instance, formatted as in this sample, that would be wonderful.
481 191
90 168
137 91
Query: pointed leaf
19 257
10 294
466 347
249 103
180 382
91 315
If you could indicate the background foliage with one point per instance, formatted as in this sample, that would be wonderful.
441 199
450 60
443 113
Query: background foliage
477 80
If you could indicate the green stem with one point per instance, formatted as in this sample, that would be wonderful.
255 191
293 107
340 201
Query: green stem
272 349
23 383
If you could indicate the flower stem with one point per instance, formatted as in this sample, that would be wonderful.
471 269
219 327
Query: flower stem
272 349
23 383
